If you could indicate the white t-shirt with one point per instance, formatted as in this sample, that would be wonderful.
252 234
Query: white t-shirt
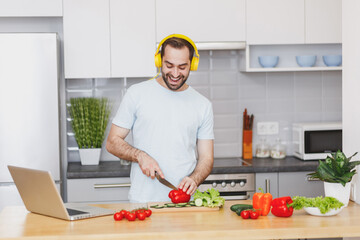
166 125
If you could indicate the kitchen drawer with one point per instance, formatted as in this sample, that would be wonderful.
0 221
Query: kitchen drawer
299 184
98 190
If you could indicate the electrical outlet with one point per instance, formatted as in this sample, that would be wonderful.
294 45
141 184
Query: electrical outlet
267 128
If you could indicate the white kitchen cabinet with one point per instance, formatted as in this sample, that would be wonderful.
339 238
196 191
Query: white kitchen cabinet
201 20
133 43
31 8
98 189
323 21
268 182
298 184
275 21
86 38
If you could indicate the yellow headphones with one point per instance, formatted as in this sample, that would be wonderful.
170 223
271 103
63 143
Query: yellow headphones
194 60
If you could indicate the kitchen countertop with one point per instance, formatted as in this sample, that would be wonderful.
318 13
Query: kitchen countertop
17 223
108 169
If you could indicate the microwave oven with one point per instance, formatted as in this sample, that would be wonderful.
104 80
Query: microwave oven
315 141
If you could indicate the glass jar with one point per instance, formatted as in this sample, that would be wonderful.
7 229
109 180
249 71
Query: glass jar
278 150
262 149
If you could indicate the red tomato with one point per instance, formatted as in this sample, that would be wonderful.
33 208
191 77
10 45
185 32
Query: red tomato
254 214
141 215
148 212
245 214
118 216
123 213
131 216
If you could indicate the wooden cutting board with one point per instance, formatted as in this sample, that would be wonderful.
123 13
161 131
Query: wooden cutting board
181 209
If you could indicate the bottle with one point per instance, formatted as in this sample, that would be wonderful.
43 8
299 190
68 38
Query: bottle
278 150
262 149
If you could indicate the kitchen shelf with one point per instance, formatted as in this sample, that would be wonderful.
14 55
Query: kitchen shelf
294 69
287 53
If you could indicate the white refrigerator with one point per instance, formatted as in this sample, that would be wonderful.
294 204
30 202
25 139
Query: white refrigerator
29 108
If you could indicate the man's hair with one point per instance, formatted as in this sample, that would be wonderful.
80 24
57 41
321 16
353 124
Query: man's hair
178 43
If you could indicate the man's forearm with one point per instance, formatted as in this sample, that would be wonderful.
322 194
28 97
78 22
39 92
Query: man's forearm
122 149
202 170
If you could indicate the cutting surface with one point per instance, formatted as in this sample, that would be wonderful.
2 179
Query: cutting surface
179 209
17 223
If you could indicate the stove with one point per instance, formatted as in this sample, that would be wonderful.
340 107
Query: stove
231 186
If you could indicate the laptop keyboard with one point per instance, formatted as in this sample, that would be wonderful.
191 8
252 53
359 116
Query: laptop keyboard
73 212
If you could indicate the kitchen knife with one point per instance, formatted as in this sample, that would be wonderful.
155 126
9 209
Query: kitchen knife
164 181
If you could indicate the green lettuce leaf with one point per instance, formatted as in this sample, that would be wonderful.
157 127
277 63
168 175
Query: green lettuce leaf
210 198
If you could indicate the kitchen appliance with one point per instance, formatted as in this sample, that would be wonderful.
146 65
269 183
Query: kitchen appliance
314 141
29 107
39 193
231 186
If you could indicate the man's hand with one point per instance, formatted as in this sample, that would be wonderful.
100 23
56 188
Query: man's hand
148 165
188 185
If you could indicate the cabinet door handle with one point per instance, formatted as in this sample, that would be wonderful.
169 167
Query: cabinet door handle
112 185
267 185
312 179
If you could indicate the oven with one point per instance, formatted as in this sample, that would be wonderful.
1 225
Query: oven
231 184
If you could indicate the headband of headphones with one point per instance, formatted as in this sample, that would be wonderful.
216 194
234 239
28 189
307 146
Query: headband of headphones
194 60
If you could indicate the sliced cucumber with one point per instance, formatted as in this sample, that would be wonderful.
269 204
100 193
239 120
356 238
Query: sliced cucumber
178 205
198 202
192 203
153 206
158 207
170 204
187 205
182 204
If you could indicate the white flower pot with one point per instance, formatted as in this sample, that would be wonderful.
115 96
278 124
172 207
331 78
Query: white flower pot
90 156
338 191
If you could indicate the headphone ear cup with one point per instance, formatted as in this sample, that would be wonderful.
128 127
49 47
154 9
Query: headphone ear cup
158 60
194 64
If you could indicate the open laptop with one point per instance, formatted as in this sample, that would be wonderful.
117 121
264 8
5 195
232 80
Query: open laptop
40 195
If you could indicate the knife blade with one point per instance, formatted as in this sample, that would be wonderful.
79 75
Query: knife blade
164 181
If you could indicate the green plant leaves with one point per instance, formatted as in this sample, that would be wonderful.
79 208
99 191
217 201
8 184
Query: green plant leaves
89 120
336 168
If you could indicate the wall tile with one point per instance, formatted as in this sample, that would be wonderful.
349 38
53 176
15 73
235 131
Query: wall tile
252 85
227 135
332 105
308 105
308 84
280 105
223 78
225 107
225 92
227 121
199 79
332 84
280 85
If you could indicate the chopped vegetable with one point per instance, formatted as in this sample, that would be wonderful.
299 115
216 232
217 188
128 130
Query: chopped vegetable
198 202
262 202
179 196
325 204
210 198
281 207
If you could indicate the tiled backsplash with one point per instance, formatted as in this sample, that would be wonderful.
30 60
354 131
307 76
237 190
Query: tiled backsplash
284 97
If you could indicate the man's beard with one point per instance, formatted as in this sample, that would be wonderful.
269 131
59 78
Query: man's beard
172 87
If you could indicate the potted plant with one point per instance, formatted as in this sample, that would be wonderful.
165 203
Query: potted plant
336 171
89 121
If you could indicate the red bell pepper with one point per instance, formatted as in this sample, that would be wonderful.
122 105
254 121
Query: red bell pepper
179 196
281 208
262 202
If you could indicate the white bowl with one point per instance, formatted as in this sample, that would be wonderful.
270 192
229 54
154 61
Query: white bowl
316 211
